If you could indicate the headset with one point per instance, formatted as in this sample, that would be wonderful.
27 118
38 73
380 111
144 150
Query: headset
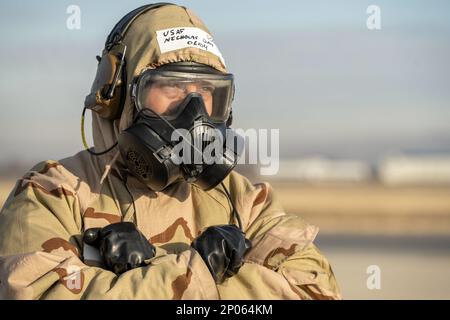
109 88
108 91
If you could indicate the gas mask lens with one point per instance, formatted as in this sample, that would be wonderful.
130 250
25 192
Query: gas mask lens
163 91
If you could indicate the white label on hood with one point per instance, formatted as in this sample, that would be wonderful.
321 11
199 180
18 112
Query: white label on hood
186 37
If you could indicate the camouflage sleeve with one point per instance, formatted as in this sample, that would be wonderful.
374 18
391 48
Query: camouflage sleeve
283 263
40 228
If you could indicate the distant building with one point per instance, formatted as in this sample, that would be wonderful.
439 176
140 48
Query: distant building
320 169
415 169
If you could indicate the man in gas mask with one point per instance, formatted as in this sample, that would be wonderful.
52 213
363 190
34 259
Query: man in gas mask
133 218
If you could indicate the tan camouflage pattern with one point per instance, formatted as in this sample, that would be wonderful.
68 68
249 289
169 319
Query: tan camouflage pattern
44 217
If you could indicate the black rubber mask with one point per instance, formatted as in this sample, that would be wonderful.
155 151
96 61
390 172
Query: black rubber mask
160 151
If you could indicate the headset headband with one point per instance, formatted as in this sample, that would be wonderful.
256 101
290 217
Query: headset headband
121 27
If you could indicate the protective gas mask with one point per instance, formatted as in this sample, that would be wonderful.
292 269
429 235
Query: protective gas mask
180 131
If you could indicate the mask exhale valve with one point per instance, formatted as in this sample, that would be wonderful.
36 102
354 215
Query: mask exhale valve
153 156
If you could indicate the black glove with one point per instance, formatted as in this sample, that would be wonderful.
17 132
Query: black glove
222 248
122 246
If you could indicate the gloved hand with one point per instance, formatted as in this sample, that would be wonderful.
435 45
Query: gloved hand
122 246
222 248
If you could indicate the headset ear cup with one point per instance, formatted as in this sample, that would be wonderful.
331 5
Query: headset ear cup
105 97
108 91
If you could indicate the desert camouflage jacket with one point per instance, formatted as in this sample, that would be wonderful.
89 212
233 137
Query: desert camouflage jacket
42 255
42 222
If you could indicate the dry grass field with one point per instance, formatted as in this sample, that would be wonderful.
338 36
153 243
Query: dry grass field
370 208
404 230
358 209
5 188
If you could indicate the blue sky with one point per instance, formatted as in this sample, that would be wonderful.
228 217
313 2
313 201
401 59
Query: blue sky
310 68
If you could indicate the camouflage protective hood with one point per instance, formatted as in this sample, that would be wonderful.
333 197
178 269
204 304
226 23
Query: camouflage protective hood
163 35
